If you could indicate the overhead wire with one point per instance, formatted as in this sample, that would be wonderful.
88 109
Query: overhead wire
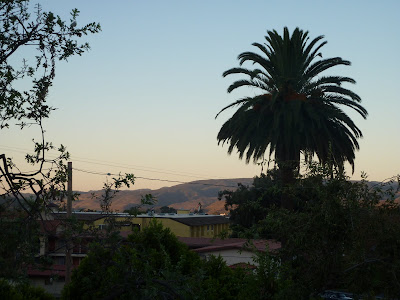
121 165
125 166
153 170
156 179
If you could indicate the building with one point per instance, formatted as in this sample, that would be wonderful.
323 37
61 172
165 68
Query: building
181 224
188 225
234 251
53 243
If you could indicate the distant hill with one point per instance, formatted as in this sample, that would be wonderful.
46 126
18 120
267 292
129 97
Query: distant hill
186 196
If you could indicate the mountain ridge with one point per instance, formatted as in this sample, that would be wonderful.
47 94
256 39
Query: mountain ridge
181 196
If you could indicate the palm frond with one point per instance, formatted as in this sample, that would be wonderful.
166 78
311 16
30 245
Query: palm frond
238 102
301 111
324 64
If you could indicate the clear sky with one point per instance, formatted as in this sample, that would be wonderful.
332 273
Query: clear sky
144 99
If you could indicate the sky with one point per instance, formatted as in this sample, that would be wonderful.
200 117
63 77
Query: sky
143 100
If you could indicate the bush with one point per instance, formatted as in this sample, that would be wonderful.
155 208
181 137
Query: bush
339 235
153 264
22 291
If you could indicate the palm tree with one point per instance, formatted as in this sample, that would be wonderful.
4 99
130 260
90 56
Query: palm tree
298 109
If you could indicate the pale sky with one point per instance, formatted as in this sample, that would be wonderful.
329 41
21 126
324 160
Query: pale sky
143 100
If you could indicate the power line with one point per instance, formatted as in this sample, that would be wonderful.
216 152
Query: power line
121 165
127 167
156 179
146 169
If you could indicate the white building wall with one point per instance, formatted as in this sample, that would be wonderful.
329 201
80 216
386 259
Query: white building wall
233 256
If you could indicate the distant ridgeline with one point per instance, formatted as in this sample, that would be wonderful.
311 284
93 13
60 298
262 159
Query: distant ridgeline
182 196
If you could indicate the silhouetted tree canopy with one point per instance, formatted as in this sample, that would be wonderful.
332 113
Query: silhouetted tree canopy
298 110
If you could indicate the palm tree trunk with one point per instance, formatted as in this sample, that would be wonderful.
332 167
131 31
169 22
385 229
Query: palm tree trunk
288 161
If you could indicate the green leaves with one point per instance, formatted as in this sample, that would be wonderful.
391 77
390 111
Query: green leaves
341 234
22 27
151 263
23 292
299 110
28 194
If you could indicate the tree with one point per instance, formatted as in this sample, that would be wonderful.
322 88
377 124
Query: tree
298 111
153 264
167 209
143 266
248 205
22 291
54 39
342 235
43 39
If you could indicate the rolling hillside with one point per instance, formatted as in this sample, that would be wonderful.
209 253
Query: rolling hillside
186 196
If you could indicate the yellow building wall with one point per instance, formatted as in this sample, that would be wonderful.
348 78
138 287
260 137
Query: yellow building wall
126 221
176 227
95 223
208 230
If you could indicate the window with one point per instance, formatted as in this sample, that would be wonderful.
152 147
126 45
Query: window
52 245
60 245
76 261
59 260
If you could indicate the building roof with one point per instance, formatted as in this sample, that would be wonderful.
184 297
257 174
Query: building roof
81 216
49 226
203 220
187 219
201 245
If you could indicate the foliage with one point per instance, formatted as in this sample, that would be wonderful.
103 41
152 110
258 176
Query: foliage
248 205
340 235
22 27
147 265
111 188
167 209
42 39
298 110
19 239
53 40
221 282
22 291
153 264
134 211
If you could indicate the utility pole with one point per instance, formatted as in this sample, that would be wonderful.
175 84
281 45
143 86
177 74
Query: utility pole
68 230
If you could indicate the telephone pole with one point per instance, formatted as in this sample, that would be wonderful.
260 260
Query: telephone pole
68 230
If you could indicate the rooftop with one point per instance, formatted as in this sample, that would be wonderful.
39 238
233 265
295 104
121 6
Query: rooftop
186 219
200 245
